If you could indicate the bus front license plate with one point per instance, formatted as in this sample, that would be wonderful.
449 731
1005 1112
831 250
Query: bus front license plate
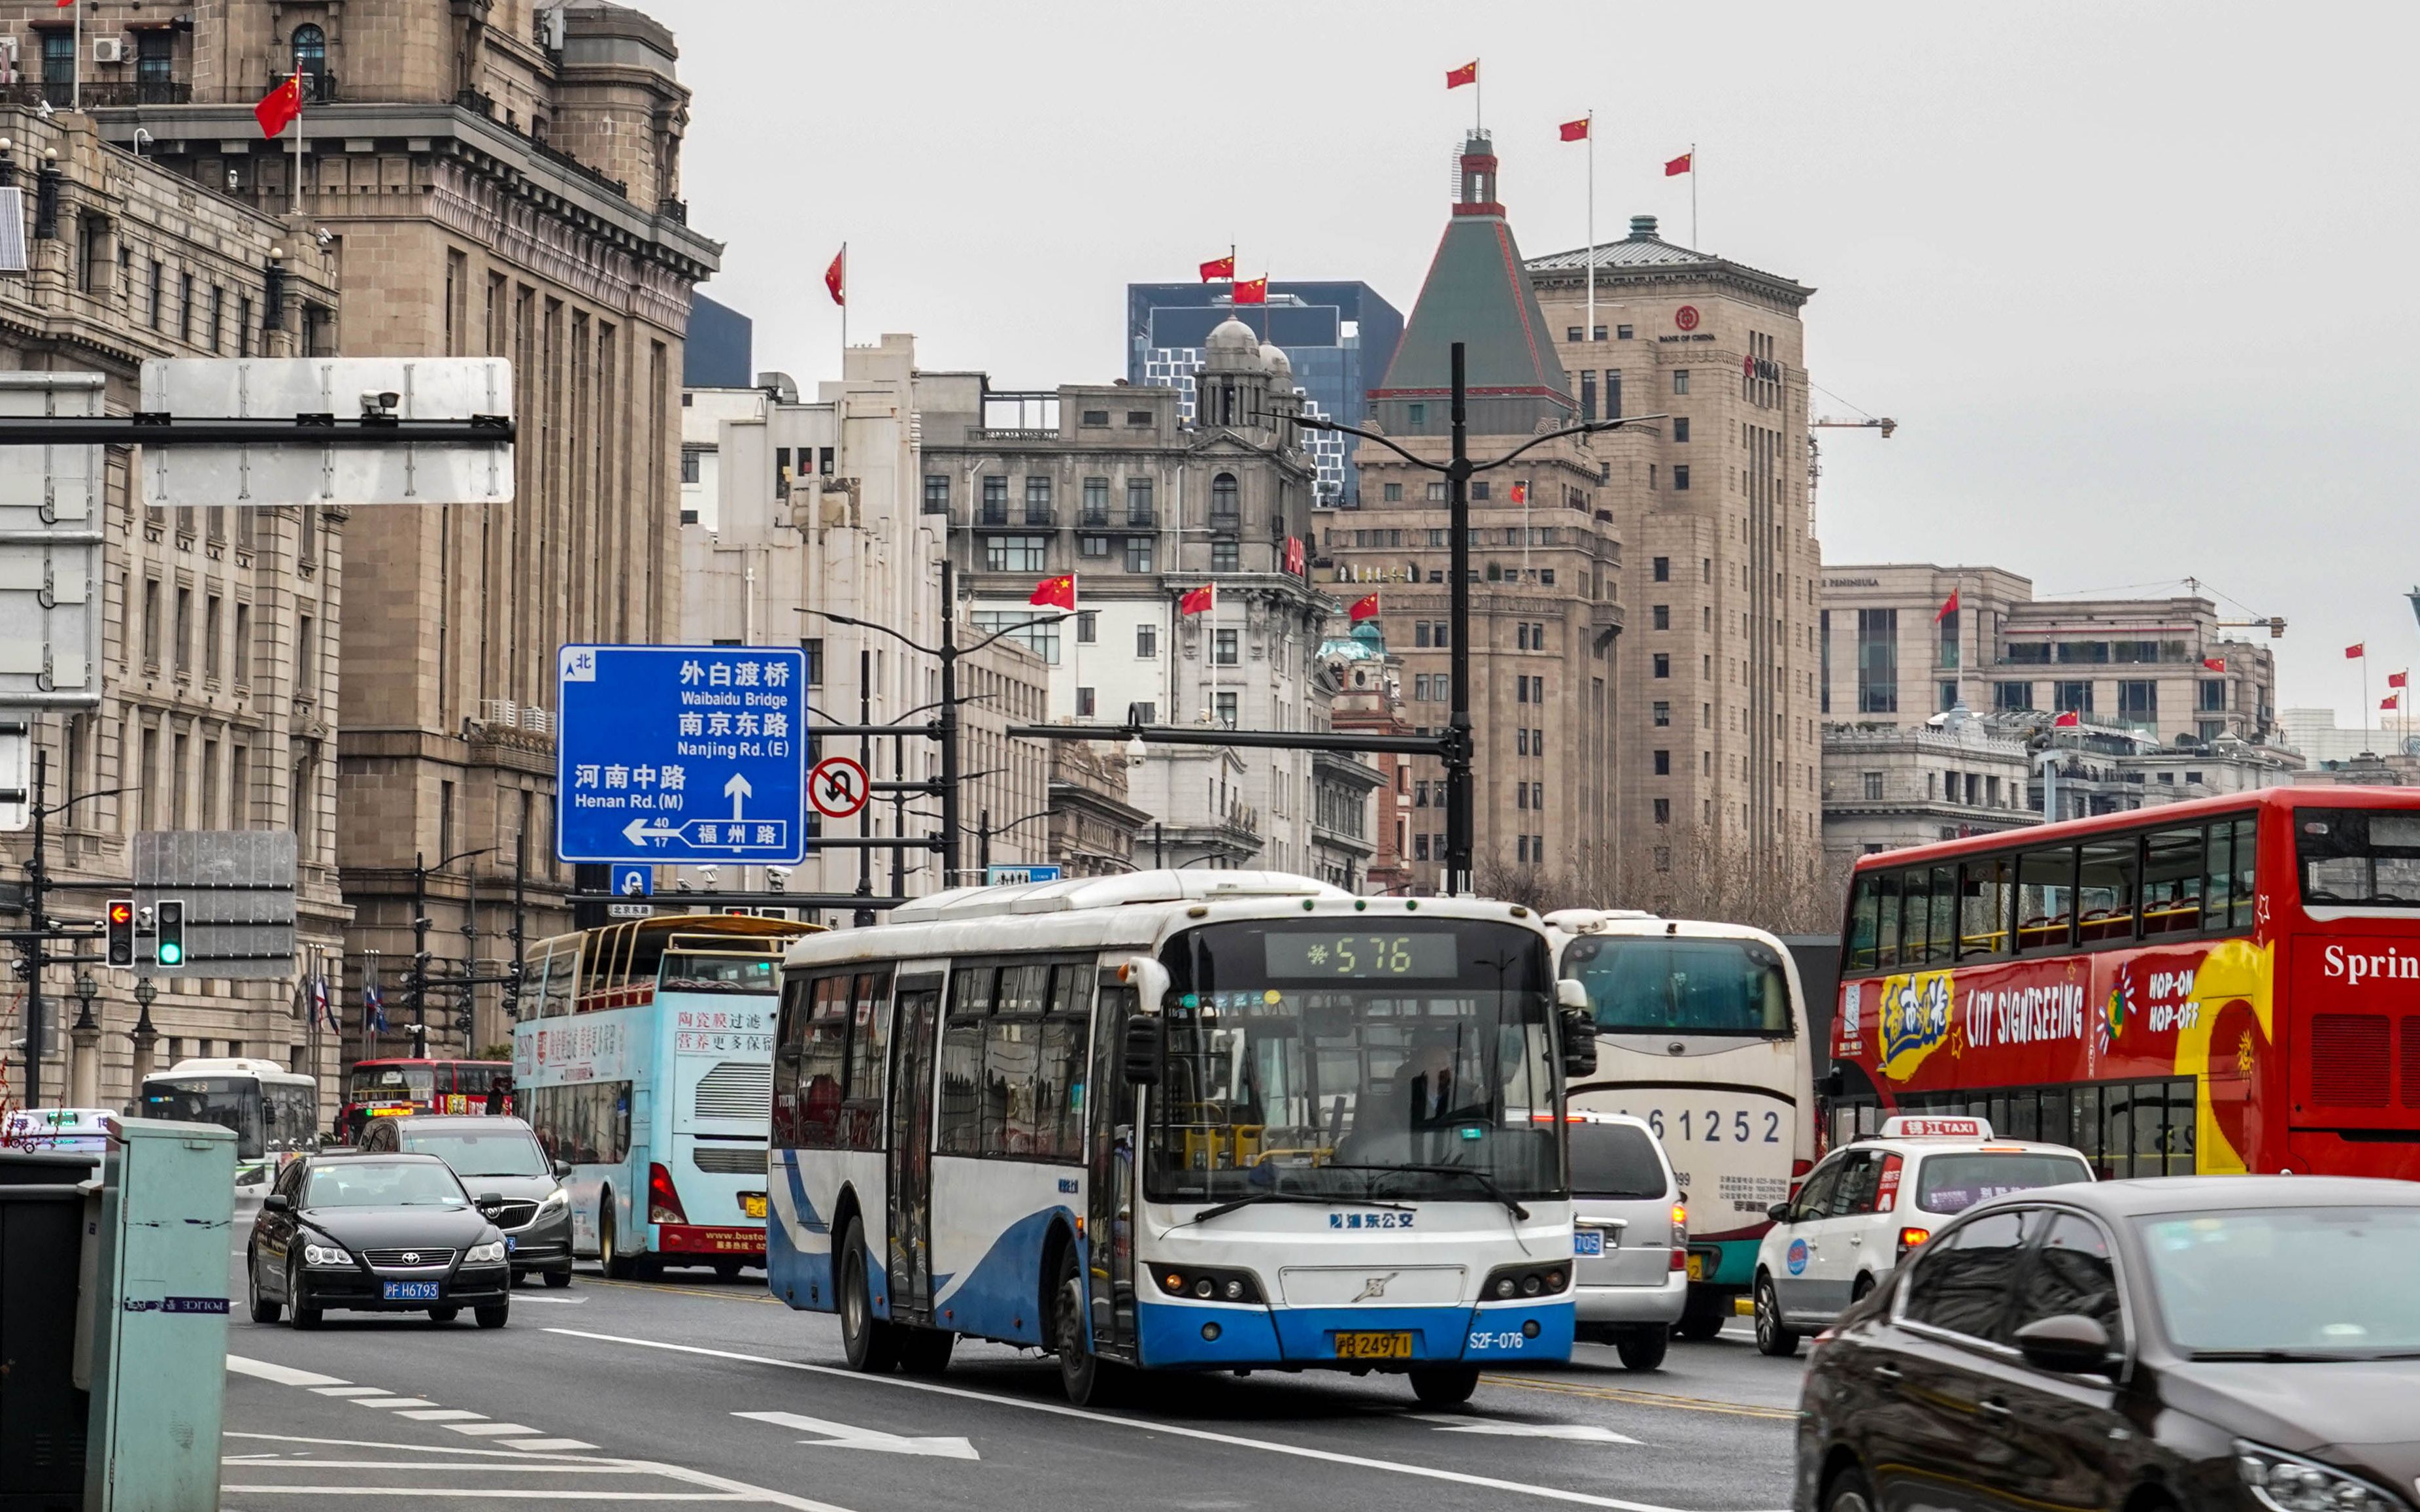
752 1204
1697 1267
1374 1345
412 1291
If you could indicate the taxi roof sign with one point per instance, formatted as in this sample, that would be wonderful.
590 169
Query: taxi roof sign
1924 1127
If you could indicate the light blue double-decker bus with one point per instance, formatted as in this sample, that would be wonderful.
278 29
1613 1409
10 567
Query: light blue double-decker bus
1180 1121
647 1065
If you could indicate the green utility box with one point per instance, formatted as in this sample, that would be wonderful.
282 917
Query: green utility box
151 1318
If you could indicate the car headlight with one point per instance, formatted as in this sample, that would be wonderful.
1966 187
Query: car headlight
557 1201
325 1254
485 1253
2289 1483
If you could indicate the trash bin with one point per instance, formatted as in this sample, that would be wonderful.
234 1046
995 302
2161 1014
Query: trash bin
42 1414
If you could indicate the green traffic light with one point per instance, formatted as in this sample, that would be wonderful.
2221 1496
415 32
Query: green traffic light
172 955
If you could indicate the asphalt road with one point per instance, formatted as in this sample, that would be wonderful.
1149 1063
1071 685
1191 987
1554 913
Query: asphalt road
691 1389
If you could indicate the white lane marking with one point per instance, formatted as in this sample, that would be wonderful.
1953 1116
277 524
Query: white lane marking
490 1430
844 1436
521 1297
530 1465
283 1375
1552 1493
1573 1432
443 1414
740 1490
544 1444
486 1494
350 1390
392 1401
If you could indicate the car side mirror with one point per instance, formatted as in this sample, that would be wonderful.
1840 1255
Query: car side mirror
1781 1212
563 1170
277 1202
1146 1041
2070 1344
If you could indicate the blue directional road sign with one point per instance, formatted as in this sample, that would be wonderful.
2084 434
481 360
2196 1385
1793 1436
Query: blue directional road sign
672 753
633 881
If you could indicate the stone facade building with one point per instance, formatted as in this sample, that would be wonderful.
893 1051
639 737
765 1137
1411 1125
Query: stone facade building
218 672
1369 701
486 180
1108 484
1546 559
1887 786
1093 828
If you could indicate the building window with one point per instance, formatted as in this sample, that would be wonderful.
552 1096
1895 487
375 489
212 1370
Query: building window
689 465
1226 503
1621 333
1587 395
1393 494
1095 417
1662 763
311 56
1873 786
936 493
2210 729
1681 477
2213 696
1663 713
1036 634
1147 642
1138 554
1680 382
1223 647
185 307
1663 811
814 647
2012 697
1097 547
1949 696
995 502
1877 660
1225 557
1084 702
1226 709
1139 510
1572 333
2071 698
1419 414
1681 428
1662 570
1037 500
1016 554
242 647
1088 627
1662 664
1948 627
1097 501
159 276
2139 701
1660 617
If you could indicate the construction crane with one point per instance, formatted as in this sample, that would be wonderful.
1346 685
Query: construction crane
1815 453
2274 624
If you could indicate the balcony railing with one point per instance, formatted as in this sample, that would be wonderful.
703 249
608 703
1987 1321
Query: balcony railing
100 94
1142 517
318 87
992 514
1041 515
1096 516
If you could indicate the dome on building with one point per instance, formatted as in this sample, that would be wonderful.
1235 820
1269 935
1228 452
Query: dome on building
1281 366
1366 642
1232 336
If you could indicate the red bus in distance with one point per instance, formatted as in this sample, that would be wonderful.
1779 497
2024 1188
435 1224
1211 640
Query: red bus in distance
392 1085
2214 987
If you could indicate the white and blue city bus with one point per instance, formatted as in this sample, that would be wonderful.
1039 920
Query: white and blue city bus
1179 1121
644 1060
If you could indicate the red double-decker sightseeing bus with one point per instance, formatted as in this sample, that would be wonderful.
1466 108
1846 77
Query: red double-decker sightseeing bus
2221 986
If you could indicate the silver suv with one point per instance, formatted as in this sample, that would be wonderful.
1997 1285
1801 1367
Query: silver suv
1631 1259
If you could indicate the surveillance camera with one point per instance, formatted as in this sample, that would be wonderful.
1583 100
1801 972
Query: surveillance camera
777 879
233 181
709 877
684 884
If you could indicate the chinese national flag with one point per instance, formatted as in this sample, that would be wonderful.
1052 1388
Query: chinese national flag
2356 651
1199 600
1056 593
1252 291
2390 700
1217 268
1948 607
2066 720
281 108
1575 131
1467 73
1520 493
2218 663
2398 679
836 276
1364 609
1677 166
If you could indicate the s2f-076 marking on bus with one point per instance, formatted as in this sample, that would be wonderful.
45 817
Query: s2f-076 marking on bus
1511 1339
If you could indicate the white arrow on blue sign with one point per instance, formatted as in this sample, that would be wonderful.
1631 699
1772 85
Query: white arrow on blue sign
681 754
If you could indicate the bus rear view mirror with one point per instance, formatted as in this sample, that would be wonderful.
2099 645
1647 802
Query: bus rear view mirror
1145 1044
1580 1041
1571 996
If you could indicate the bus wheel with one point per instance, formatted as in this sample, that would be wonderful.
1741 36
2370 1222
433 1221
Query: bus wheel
609 1244
1445 1385
925 1352
726 1269
869 1341
1088 1379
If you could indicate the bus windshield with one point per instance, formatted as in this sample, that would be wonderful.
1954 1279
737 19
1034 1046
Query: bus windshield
2355 856
1667 984
228 1101
392 1083
1411 1062
684 972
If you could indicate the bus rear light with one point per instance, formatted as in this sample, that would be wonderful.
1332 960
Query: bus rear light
664 1203
1910 1238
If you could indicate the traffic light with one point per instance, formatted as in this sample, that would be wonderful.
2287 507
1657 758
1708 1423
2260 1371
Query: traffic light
121 930
170 950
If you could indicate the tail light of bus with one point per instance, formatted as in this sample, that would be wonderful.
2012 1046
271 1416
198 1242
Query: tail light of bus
664 1203
1910 1238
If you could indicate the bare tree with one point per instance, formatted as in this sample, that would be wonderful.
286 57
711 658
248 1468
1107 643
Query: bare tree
1695 872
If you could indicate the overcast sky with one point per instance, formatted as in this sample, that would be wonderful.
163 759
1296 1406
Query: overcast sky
2136 281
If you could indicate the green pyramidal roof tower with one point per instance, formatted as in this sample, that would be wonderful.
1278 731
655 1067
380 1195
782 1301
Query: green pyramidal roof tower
1478 293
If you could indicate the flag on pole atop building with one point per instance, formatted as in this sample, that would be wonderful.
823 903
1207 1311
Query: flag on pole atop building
2065 720
836 276
1674 167
1217 268
2390 701
1948 607
1056 593
2215 663
1252 291
1467 73
2356 651
1520 493
281 107
1199 600
2398 679
1364 609
373 1003
1575 131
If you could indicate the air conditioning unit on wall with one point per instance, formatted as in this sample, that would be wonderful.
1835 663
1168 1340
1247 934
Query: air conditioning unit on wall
109 50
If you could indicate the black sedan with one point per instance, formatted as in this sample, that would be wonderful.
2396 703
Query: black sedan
2247 1342
374 1233
496 1154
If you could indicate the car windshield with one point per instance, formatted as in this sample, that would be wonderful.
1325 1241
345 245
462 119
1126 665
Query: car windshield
349 1183
1953 1183
1669 985
506 1152
2356 856
1385 1065
228 1101
746 974
1615 1160
2285 1281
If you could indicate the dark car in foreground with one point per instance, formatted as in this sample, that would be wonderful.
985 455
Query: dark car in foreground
381 1233
494 1153
2239 1342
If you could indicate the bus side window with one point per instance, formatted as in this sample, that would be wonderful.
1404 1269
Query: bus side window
958 1124
823 1063
1912 916
2105 890
2244 884
1887 916
789 1054
1061 1100
1943 931
1861 924
2173 868
2046 898
1983 907
869 1035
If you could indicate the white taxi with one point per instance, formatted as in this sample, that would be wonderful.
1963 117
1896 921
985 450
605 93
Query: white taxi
1859 1212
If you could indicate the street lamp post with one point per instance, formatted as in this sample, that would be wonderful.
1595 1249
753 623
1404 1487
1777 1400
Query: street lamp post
85 1035
143 1035
985 829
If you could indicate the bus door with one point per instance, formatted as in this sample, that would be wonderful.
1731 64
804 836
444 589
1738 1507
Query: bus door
910 1145
1110 1162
